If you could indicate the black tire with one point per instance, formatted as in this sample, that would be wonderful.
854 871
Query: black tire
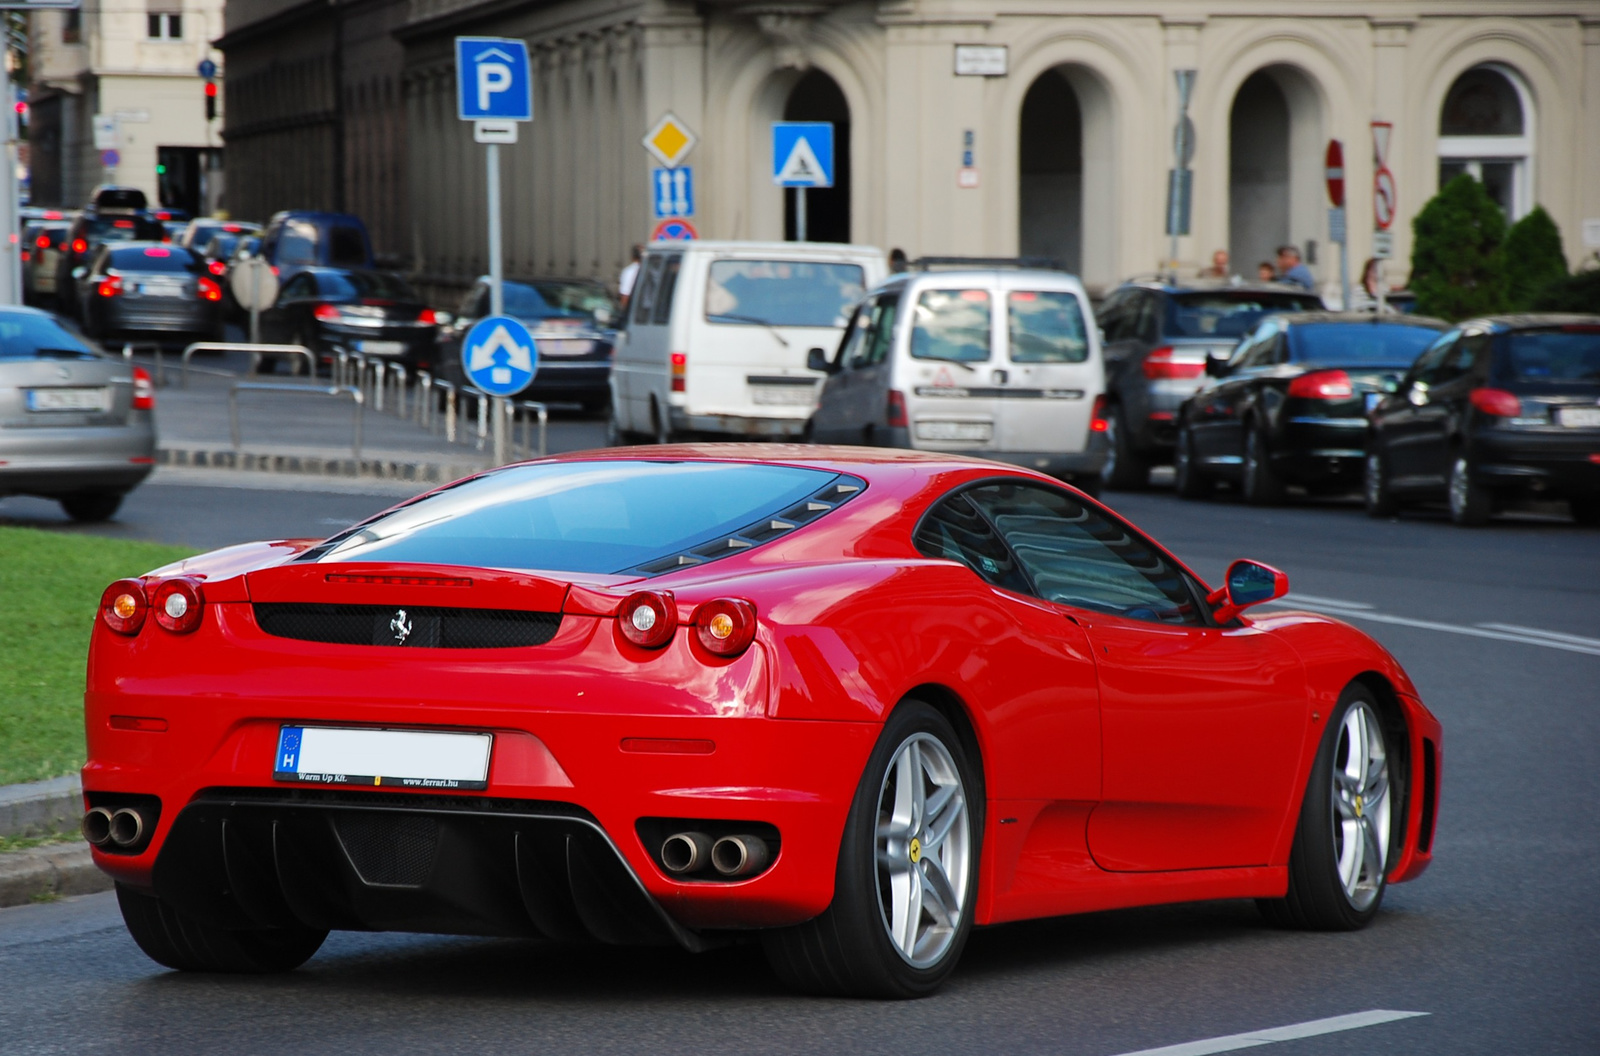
661 423
1125 469
1187 480
1375 493
91 507
174 939
1470 502
1317 898
1262 485
1586 511
847 950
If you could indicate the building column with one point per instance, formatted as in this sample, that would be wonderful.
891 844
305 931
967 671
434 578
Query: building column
1587 153
1413 174
1208 227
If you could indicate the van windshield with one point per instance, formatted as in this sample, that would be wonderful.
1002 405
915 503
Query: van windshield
783 292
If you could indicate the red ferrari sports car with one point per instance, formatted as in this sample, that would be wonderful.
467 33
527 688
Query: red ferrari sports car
849 702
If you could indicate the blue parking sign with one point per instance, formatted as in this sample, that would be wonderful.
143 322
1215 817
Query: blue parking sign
492 81
499 356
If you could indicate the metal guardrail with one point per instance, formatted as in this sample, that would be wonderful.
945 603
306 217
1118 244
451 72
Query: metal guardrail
336 391
256 354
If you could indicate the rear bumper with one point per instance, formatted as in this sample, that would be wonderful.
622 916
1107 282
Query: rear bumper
1545 462
740 425
54 461
1312 449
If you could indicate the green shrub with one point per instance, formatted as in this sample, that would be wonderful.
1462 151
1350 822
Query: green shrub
1457 263
1570 293
1533 258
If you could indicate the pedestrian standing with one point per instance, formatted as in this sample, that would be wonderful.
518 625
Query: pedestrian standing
1291 270
1219 265
897 261
1265 273
629 275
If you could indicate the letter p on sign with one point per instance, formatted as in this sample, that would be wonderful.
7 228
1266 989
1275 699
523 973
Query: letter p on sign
493 78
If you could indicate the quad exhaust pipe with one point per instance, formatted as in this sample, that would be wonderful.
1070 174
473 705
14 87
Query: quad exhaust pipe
122 827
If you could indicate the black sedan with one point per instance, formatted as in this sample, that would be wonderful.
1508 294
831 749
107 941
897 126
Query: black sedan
1289 406
1497 410
375 313
89 232
149 292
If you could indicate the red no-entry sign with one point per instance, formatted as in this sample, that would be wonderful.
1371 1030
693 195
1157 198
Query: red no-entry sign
1334 171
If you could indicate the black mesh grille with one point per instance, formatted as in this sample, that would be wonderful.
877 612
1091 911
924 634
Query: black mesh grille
409 626
389 848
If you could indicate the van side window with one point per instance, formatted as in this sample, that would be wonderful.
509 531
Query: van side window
877 332
951 325
644 293
1046 326
855 337
669 284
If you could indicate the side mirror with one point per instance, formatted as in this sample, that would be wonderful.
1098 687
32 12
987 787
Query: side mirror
1216 365
817 360
1247 583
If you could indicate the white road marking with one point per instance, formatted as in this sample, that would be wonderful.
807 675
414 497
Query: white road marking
1314 599
1499 632
1293 1032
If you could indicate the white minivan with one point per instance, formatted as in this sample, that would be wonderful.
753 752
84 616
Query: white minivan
999 362
717 335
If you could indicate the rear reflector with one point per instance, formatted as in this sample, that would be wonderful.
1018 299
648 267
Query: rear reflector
667 746
1496 402
1162 363
896 411
400 581
143 723
1322 385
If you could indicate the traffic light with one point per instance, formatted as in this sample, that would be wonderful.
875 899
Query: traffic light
211 100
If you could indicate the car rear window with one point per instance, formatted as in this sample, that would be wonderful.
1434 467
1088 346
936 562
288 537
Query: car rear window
354 285
1230 313
595 517
24 335
1367 344
297 243
153 258
560 300
120 229
952 325
1566 355
1046 327
783 292
347 247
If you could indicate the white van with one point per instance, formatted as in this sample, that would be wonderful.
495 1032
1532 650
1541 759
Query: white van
999 362
717 335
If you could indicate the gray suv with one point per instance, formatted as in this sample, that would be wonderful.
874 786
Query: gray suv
1157 337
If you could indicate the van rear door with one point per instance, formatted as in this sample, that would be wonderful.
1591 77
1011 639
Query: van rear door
951 337
1050 370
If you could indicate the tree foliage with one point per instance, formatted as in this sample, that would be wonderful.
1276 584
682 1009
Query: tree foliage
1570 293
1457 254
1534 258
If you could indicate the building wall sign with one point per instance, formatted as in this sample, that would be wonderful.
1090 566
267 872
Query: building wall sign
981 60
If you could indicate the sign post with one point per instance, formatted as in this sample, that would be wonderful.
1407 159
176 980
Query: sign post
1384 199
1333 169
1180 180
494 90
802 158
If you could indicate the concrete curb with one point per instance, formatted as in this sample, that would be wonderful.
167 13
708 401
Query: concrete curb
318 465
54 870
41 808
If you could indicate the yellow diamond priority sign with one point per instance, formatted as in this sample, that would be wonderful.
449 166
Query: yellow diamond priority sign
670 141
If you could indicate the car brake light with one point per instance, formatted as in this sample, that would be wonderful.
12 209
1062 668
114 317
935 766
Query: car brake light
1097 417
1497 402
680 371
1160 363
43 241
1322 385
217 268
648 618
27 255
144 390
274 269
124 606
79 246
427 318
328 313
896 410
725 626
110 286
157 251
232 229
178 605
208 290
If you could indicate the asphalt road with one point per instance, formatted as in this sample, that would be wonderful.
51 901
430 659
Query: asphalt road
1496 943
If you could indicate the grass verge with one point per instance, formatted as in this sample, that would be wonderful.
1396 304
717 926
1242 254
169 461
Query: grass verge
50 587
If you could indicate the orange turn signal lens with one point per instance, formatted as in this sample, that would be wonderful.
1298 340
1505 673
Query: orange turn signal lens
726 626
124 606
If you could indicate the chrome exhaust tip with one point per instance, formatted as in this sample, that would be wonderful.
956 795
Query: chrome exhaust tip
96 826
127 825
739 855
686 852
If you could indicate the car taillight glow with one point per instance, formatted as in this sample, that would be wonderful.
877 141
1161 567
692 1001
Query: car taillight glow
725 626
648 618
158 251
178 605
208 290
144 390
1161 363
1097 417
43 241
79 246
896 410
426 317
1323 385
328 313
109 286
217 268
680 371
1497 402
122 224
124 606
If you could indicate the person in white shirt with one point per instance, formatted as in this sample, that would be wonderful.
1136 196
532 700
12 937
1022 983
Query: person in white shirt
629 274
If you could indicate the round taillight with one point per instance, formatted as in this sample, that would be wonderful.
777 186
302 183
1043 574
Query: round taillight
178 605
124 606
648 618
726 626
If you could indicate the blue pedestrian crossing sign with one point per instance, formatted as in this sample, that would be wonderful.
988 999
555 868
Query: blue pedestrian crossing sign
802 153
492 82
672 192
499 356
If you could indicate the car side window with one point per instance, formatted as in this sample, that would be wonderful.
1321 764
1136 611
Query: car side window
667 287
644 292
298 288
956 531
1110 314
880 333
1430 365
1255 349
1074 555
1469 356
1148 328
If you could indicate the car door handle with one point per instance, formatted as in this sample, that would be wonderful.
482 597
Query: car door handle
998 377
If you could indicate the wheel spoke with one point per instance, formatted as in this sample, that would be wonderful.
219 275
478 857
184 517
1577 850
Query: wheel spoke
900 890
937 896
1377 785
913 919
908 789
1356 848
939 827
1373 854
1346 809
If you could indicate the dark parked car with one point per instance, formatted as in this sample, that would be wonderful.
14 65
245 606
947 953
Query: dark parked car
1496 410
150 291
572 322
1157 338
198 232
89 232
1289 406
303 239
372 312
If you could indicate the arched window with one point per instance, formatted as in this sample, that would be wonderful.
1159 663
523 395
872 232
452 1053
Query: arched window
1486 131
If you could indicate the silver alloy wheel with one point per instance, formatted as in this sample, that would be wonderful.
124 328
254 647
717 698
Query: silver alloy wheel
1460 484
924 850
1361 806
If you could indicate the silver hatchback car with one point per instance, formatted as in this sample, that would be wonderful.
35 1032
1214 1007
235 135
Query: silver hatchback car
76 425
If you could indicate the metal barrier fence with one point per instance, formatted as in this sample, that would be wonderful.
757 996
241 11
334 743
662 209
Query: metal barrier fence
336 391
257 353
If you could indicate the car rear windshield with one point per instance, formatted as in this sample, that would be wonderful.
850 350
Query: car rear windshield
120 229
1567 355
220 246
1229 313
152 258
595 517
355 285
783 292
1359 344
24 335
952 325
560 300
1046 327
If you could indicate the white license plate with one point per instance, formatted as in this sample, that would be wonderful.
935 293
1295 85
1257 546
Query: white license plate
1579 417
980 431
417 759
69 399
784 395
563 346
159 289
381 348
